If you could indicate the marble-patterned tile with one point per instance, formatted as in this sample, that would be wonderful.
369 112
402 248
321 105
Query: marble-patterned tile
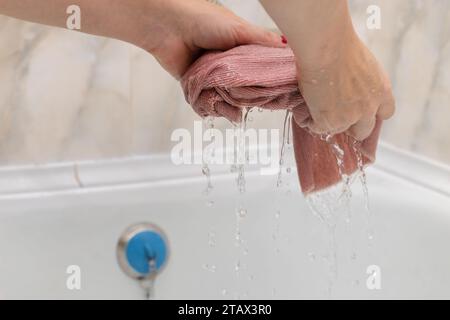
103 126
413 46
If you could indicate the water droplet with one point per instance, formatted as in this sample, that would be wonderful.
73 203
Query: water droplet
312 256
331 83
242 213
278 214
224 292
237 266
260 109
288 170
314 81
211 239
353 256
238 238
210 268
207 173
210 203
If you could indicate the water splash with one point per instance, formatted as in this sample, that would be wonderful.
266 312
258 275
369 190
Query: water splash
276 232
242 151
207 173
240 214
363 180
212 239
339 154
361 172
210 268
207 156
208 124
328 204
242 158
325 206
284 144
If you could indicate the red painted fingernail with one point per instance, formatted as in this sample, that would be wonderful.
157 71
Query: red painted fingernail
284 39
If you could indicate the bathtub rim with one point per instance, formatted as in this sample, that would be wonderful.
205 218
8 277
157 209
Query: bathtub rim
76 175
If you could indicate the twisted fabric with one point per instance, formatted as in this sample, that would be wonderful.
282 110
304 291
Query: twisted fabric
221 84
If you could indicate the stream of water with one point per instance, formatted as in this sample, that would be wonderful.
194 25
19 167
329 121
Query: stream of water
326 205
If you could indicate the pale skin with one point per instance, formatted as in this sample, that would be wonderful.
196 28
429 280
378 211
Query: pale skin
342 82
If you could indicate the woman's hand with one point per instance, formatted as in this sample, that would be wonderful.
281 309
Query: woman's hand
348 93
342 82
174 31
179 30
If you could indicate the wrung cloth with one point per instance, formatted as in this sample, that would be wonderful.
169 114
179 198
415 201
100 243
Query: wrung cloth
222 84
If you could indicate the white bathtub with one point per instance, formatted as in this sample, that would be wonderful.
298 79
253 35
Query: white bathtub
55 216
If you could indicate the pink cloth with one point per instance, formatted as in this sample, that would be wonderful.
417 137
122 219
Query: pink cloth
221 84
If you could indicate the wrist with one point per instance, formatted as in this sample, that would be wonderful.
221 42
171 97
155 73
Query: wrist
328 38
327 49
330 52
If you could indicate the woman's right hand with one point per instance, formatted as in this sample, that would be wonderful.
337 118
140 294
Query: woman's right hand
348 93
345 87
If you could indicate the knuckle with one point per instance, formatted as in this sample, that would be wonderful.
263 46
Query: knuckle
333 121
240 31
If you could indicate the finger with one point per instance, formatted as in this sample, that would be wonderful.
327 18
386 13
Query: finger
250 34
331 122
387 109
362 129
319 128
301 116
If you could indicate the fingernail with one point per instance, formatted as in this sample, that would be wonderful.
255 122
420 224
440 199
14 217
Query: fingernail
284 39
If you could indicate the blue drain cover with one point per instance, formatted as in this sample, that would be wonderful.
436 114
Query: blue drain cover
143 247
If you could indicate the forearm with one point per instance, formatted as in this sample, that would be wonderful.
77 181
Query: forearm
118 19
316 29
